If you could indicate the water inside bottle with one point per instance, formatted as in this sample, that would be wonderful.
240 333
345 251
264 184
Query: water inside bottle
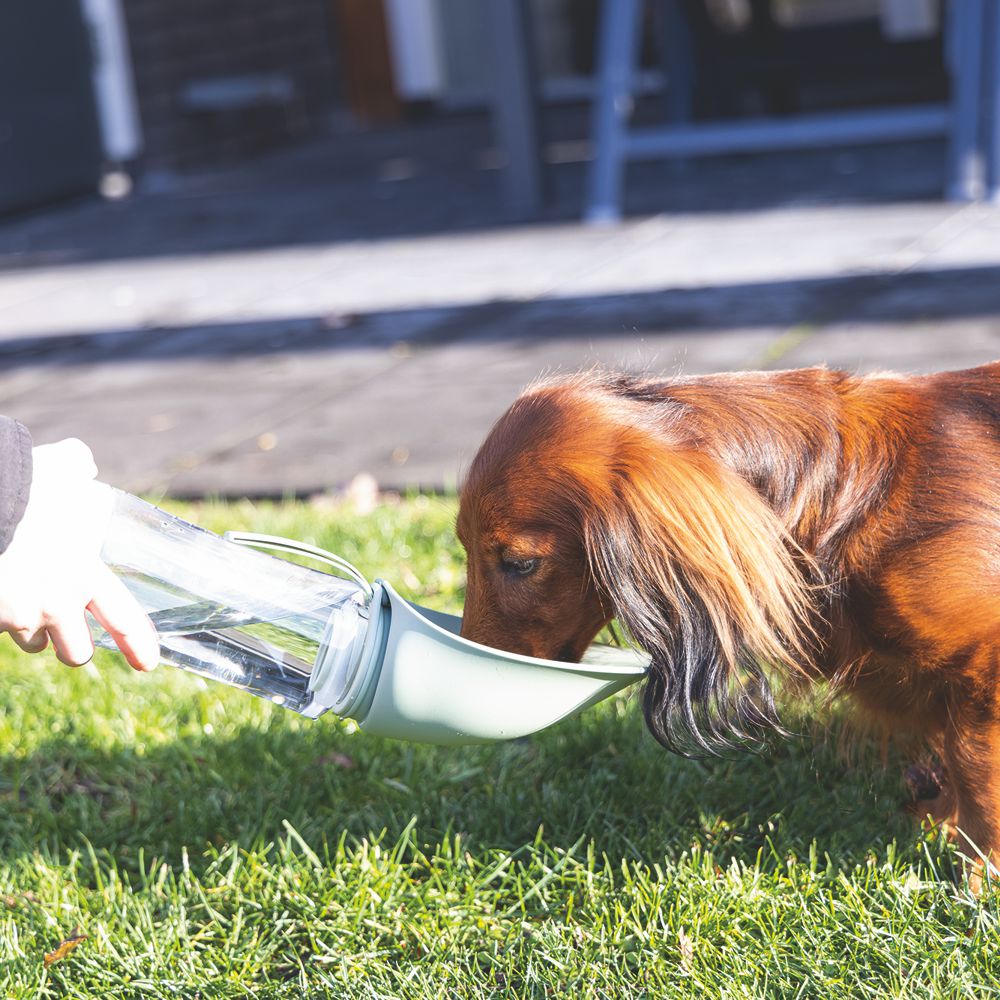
269 652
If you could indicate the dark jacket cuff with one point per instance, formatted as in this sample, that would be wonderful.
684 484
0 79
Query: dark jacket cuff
15 477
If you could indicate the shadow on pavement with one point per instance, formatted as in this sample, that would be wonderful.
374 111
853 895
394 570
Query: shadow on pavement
878 298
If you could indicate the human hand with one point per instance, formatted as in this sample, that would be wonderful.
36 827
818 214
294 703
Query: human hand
52 573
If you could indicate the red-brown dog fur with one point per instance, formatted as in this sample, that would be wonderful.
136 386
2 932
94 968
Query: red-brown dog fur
825 524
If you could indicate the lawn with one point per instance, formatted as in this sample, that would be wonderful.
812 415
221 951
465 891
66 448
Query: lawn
205 843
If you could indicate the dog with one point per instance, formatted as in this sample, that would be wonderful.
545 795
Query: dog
808 524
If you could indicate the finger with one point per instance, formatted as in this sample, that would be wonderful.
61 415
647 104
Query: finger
30 640
70 637
116 609
67 458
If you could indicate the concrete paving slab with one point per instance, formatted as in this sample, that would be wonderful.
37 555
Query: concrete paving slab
779 245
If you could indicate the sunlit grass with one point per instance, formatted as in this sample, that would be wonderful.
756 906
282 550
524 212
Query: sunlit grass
209 844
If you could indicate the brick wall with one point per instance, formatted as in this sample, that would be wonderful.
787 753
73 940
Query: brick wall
177 42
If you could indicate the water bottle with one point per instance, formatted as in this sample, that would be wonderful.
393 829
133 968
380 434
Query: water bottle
314 642
279 630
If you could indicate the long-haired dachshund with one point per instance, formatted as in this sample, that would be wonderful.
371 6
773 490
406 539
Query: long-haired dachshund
811 523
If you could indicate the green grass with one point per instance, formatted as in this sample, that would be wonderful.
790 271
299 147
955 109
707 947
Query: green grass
209 844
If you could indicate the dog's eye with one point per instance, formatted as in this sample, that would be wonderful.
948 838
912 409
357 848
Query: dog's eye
520 567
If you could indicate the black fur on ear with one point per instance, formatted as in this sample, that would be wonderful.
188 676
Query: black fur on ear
701 573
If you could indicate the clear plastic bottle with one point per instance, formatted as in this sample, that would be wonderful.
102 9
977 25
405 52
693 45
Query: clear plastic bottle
281 631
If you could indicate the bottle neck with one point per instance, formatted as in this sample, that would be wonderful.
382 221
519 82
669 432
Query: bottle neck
347 672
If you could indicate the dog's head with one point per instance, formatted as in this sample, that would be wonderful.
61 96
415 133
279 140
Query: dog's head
531 587
589 502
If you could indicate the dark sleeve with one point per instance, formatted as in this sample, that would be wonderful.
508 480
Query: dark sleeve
15 476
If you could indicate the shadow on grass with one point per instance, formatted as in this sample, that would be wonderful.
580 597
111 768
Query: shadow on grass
599 777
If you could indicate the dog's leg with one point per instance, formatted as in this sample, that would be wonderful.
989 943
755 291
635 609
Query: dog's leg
970 802
940 595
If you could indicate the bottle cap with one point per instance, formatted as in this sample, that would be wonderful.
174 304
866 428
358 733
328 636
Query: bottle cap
348 661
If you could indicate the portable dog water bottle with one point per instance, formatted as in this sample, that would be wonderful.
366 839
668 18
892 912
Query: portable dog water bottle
314 642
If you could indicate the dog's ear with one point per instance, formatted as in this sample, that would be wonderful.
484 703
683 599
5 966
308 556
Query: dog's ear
705 578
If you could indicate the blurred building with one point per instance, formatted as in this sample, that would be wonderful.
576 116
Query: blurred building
221 77
171 84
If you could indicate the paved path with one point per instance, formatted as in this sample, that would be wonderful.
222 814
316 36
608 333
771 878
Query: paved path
292 366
